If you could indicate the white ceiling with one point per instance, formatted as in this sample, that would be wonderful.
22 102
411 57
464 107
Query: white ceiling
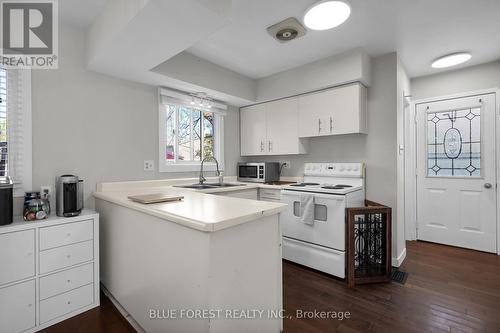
80 13
419 30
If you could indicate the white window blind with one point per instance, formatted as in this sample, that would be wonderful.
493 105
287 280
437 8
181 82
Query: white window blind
4 157
15 127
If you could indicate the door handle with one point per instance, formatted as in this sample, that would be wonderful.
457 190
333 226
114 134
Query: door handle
319 125
487 185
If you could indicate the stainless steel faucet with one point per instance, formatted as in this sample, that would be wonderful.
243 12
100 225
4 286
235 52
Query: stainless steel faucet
208 158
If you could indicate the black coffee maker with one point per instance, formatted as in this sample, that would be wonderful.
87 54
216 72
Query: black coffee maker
6 200
69 196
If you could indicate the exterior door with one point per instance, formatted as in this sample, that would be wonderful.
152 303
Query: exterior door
456 163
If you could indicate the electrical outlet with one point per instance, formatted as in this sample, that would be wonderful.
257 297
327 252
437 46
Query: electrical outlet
46 190
287 165
149 165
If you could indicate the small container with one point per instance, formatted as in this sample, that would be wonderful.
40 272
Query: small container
6 201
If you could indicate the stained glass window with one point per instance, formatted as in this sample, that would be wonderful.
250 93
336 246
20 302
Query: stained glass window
454 143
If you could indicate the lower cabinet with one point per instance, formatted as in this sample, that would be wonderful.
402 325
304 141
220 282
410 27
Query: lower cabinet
66 280
244 194
17 307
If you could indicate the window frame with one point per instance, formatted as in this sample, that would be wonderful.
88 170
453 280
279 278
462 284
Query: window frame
188 166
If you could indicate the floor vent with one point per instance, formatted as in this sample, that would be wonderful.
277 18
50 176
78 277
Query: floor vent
399 276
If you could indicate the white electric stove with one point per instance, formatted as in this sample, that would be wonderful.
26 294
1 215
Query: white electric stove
319 242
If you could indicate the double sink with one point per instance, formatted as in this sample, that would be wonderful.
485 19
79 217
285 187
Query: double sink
208 185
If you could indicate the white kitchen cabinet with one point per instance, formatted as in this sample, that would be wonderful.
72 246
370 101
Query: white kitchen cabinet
253 130
335 111
271 129
17 256
51 265
251 193
283 128
270 194
17 307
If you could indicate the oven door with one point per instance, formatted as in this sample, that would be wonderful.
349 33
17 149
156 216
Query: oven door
251 172
328 228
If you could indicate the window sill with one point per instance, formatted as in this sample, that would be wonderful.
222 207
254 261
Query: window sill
188 167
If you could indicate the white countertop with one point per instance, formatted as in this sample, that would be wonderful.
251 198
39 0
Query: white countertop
199 209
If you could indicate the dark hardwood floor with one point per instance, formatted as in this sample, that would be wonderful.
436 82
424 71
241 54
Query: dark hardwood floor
448 290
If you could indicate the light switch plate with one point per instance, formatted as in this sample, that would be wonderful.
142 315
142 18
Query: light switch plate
149 165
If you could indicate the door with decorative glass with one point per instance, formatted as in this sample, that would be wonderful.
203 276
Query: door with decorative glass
456 172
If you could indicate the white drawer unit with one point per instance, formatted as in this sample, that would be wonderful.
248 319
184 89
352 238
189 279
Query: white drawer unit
67 280
269 194
17 307
60 305
17 256
65 234
49 271
251 193
65 256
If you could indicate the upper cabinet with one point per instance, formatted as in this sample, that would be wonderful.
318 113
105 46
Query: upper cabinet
334 111
282 127
253 130
271 129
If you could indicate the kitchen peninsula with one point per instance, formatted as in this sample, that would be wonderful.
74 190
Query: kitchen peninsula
207 252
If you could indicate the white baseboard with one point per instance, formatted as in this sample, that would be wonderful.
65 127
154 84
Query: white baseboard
396 262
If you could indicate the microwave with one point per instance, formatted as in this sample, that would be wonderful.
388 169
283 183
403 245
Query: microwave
262 172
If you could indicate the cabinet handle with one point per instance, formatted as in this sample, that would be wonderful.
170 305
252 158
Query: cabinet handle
270 145
261 146
331 124
319 125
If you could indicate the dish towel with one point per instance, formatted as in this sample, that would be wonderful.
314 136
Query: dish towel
307 208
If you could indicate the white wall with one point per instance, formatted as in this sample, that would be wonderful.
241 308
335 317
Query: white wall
378 149
478 77
339 69
98 127
403 89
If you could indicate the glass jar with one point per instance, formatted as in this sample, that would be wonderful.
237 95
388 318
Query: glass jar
35 208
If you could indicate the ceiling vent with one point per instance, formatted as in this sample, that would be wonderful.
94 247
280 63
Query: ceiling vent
287 30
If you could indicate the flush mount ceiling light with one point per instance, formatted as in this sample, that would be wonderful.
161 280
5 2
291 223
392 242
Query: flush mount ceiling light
326 15
451 60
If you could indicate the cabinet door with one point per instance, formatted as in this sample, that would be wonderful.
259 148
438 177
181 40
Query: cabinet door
313 112
335 111
253 130
283 127
345 110
17 256
17 307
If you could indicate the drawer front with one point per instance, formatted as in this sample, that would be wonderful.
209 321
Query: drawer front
17 256
66 256
17 307
60 305
62 282
270 194
66 234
